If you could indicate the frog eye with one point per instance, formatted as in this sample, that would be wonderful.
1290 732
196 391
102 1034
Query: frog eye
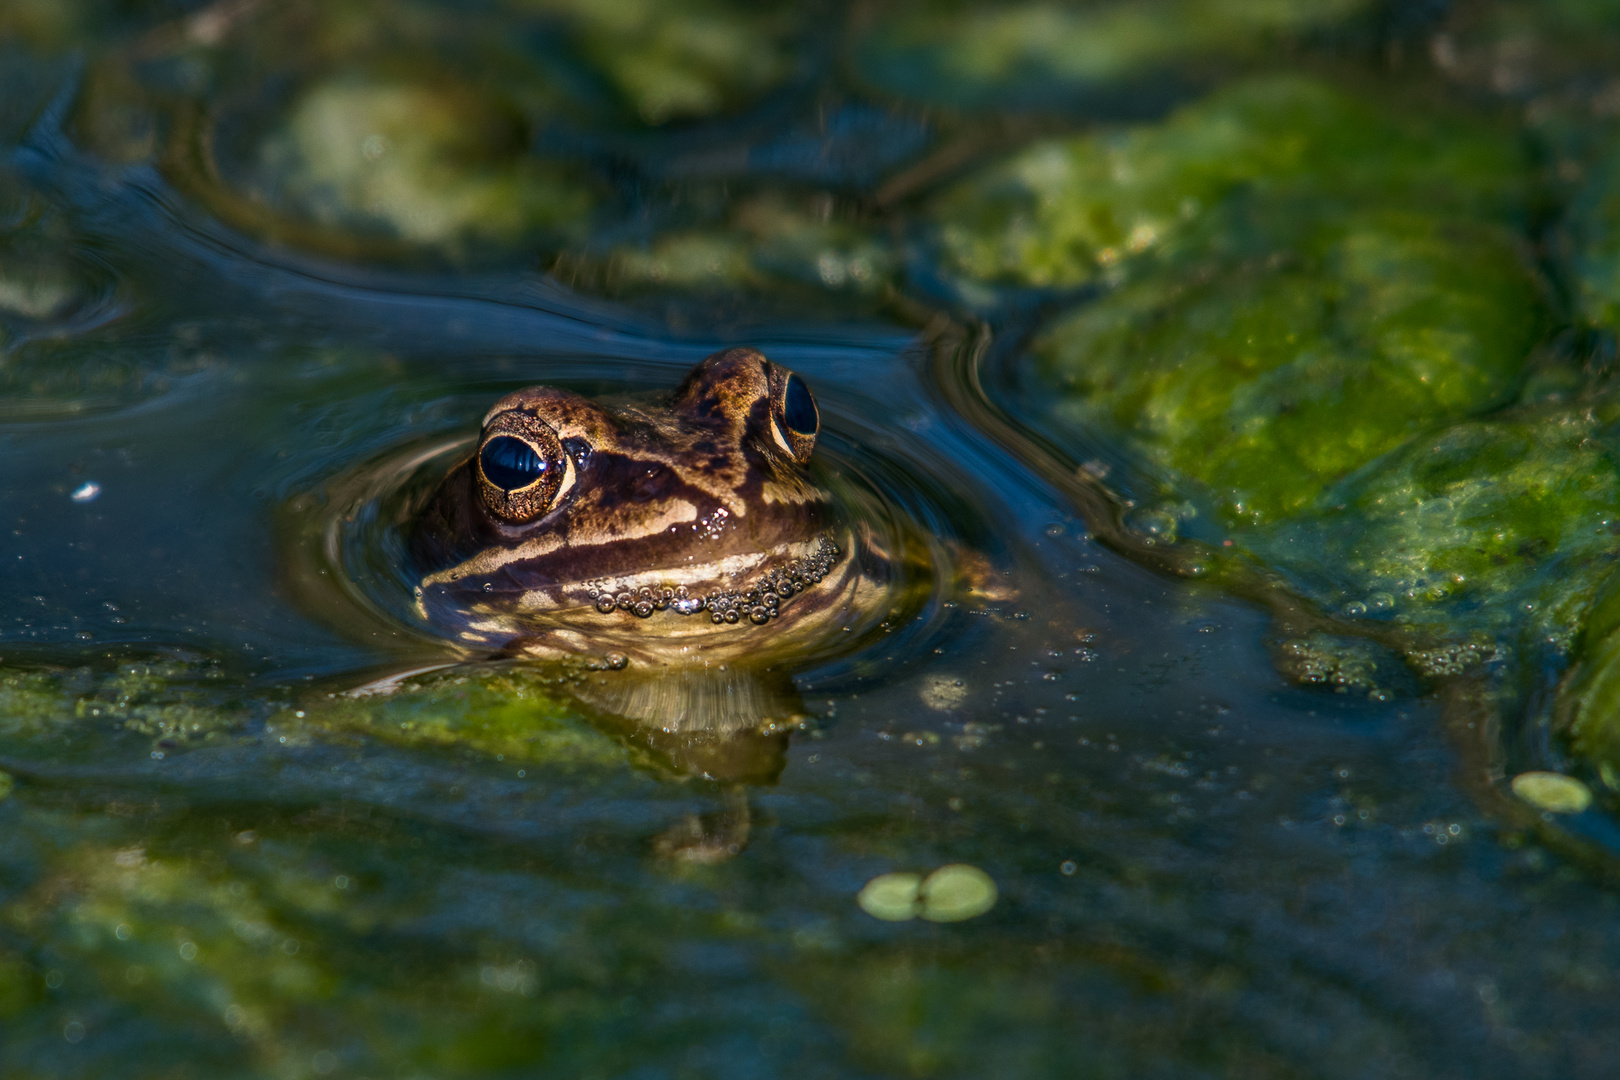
795 420
510 463
522 468
799 410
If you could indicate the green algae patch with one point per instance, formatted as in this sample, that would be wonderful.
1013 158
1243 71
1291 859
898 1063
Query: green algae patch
181 932
1245 170
1587 708
683 60
167 703
1241 170
512 713
429 163
980 54
768 246
1268 381
1494 526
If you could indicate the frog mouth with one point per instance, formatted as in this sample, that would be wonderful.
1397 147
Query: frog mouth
759 601
785 584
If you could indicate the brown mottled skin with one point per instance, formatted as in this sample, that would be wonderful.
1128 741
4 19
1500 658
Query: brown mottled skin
702 493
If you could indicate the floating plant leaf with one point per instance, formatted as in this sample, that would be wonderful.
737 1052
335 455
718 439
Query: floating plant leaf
1553 792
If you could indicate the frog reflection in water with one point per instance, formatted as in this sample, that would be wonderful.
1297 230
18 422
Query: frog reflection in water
682 542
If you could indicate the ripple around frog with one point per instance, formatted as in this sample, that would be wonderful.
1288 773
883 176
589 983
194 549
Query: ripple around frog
345 558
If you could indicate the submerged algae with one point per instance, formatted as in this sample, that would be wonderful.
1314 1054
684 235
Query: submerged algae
681 61
431 164
770 245
167 702
1242 172
512 712
1266 381
1587 708
1038 52
1505 525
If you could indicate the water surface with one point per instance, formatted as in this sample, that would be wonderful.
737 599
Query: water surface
218 366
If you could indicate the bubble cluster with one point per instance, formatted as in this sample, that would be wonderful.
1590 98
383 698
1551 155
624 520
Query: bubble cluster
759 603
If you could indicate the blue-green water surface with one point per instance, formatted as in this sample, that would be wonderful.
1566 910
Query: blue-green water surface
1238 377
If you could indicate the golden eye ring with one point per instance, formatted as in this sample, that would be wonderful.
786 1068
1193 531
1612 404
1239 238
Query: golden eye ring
522 469
795 418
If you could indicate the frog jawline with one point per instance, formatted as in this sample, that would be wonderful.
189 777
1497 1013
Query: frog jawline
669 641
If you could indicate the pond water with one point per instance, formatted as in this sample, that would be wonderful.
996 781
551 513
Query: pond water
1231 382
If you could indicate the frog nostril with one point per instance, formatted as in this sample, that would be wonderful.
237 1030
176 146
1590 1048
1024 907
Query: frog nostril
510 463
799 407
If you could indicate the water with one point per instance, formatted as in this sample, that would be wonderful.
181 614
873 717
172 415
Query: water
214 862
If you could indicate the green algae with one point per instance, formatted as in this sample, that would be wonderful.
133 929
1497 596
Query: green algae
1245 171
1587 707
165 702
1265 382
769 246
1335 374
234 946
39 281
1500 525
430 164
271 945
685 60
978 54
513 713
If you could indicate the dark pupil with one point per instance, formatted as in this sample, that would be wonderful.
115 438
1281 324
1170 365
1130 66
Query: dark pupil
511 463
799 408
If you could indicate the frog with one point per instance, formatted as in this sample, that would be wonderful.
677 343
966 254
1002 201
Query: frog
678 547
685 531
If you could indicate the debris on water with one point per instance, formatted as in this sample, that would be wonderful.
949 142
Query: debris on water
89 491
1552 791
942 692
6 785
950 894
